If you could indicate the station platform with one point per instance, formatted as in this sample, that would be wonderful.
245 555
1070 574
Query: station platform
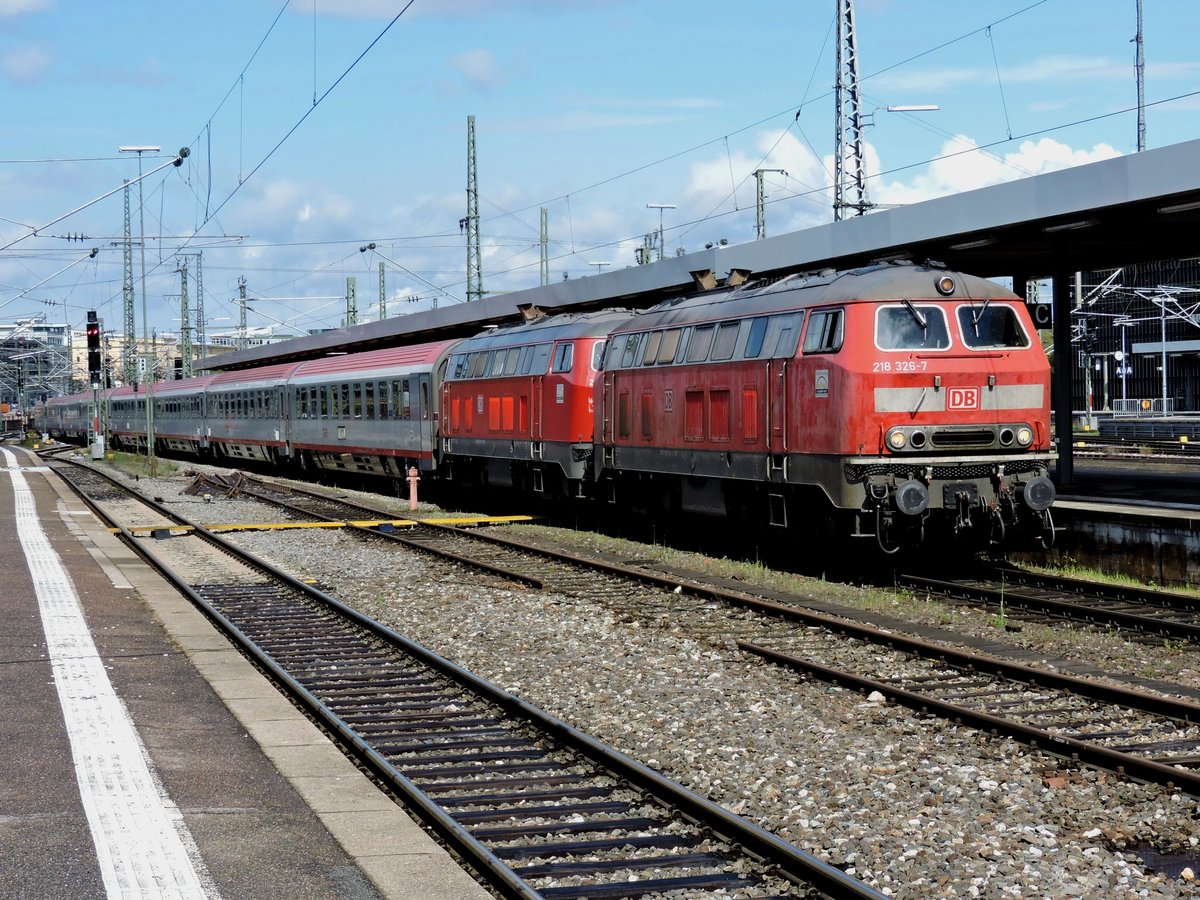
145 757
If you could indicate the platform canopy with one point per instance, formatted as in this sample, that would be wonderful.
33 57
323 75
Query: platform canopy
1134 208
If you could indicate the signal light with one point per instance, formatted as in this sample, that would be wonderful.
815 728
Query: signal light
93 347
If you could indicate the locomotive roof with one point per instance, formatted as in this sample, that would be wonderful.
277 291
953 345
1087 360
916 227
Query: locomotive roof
546 328
883 281
413 356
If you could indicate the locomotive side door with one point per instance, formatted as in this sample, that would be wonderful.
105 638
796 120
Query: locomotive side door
777 408
536 383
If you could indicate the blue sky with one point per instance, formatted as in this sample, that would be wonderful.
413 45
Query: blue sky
319 126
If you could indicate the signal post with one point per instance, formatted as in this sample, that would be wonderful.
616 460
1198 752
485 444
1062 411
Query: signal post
94 376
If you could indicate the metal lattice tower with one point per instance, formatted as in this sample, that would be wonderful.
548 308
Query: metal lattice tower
849 168
760 220
471 222
351 301
382 294
199 337
545 245
129 348
1141 83
185 324
241 339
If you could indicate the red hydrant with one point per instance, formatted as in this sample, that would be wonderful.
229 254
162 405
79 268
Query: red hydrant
413 478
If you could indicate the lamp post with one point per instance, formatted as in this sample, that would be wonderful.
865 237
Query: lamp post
599 264
151 461
660 207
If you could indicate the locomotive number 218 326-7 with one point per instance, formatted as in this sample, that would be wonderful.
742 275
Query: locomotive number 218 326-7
899 365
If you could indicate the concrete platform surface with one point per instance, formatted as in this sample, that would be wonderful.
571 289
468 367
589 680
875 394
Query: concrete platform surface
144 757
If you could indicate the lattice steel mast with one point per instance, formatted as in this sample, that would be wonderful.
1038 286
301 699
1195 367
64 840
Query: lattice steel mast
471 221
129 348
849 168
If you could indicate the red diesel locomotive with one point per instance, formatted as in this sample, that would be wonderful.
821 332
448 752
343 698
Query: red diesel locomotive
893 402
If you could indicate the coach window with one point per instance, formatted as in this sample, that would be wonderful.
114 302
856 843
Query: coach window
701 340
726 341
369 400
990 326
564 357
323 400
313 408
345 410
300 402
911 327
394 386
405 400
652 344
356 400
824 332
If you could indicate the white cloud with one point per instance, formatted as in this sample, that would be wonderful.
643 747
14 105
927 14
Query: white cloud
11 8
962 166
26 65
479 68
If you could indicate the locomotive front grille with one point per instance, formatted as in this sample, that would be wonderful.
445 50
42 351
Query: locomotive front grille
858 473
961 438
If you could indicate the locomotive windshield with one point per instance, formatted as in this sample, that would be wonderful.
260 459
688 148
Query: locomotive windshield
991 326
911 327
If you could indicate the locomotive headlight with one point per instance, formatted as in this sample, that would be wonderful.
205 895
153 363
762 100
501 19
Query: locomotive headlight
945 285
1024 435
897 439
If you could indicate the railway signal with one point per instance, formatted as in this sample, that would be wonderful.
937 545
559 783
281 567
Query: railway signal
93 348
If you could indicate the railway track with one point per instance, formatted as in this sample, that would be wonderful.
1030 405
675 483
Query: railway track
1145 614
536 807
1135 733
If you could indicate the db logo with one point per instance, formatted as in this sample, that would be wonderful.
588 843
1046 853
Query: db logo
962 398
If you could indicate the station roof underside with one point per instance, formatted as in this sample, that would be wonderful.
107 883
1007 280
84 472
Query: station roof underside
1117 212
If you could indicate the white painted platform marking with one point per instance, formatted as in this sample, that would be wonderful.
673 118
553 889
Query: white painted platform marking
142 842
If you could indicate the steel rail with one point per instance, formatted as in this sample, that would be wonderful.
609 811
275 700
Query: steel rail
1059 745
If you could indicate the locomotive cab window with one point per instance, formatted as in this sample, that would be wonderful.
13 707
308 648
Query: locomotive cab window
824 334
564 357
909 326
986 326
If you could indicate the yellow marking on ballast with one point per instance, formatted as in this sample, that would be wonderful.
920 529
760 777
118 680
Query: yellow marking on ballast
358 523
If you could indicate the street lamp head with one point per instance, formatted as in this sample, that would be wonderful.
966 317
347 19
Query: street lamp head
913 107
139 148
660 206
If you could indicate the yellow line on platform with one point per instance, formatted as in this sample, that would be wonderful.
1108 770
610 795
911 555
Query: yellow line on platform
365 523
